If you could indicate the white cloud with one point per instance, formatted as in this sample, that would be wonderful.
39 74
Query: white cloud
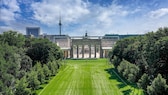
75 11
107 15
159 13
103 19
100 20
9 12
48 11
12 5
7 15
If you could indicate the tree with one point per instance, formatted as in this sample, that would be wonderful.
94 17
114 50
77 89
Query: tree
143 81
11 59
116 61
12 38
161 49
43 51
131 52
1 87
158 86
128 70
40 75
122 67
33 81
51 67
26 63
118 49
46 71
147 55
21 87
18 74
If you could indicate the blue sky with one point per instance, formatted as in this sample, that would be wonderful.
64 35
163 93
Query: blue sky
97 17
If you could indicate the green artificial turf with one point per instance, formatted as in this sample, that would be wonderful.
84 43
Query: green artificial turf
88 77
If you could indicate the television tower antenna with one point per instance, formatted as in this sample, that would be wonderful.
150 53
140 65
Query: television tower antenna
60 24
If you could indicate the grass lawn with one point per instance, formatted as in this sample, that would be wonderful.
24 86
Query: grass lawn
88 77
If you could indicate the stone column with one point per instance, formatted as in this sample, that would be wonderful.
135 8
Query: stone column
82 51
67 54
71 51
89 51
106 53
101 51
77 51
95 51
64 53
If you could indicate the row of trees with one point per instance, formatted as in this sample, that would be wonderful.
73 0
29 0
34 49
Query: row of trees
144 60
26 63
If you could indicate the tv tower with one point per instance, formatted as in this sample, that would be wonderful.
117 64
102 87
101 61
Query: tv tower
60 24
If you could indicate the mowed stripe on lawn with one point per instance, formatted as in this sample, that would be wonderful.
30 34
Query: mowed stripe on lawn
85 77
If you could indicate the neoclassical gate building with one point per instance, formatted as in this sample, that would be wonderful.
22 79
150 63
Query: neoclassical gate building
84 46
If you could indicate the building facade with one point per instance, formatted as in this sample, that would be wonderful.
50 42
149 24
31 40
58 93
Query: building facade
84 46
33 31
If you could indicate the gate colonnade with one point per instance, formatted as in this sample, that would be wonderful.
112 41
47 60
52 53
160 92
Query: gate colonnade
86 48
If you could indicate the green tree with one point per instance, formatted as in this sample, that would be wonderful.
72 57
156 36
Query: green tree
1 87
161 49
11 59
131 52
46 71
26 63
43 51
7 91
55 53
21 87
143 82
123 65
128 70
118 49
116 61
145 54
33 81
40 75
158 86
12 38
51 67
16 62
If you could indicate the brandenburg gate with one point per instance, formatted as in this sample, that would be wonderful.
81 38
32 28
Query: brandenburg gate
85 46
